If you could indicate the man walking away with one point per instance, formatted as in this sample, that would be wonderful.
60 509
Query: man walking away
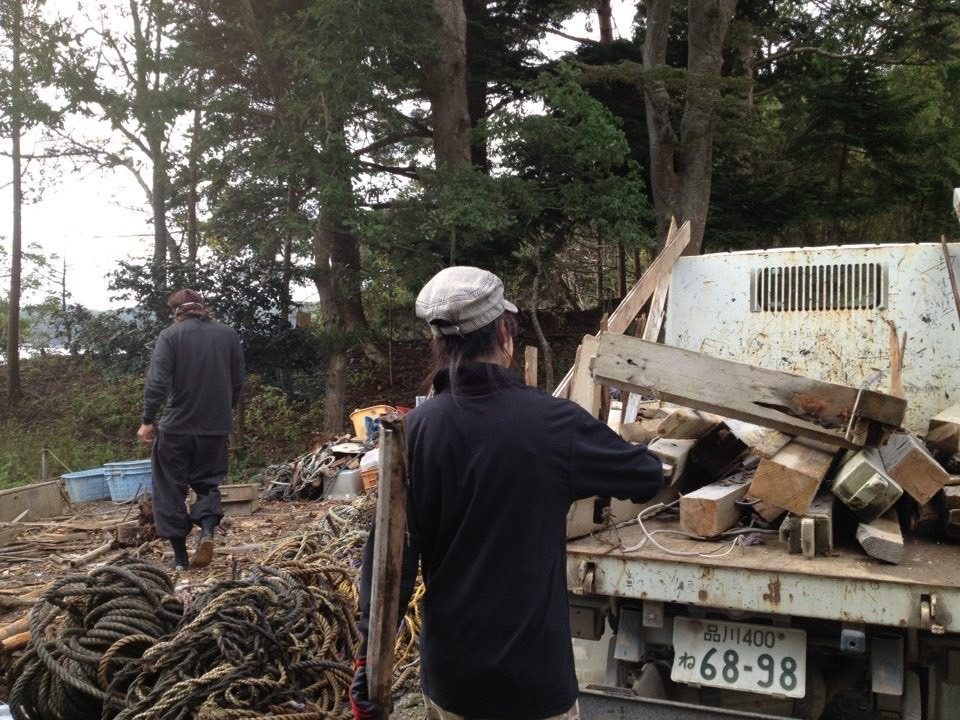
197 368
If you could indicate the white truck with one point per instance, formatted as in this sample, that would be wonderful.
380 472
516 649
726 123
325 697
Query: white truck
789 634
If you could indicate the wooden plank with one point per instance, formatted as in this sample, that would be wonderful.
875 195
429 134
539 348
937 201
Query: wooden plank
943 433
783 401
387 560
907 461
882 538
674 453
658 309
642 431
583 390
530 355
764 442
640 293
43 500
897 350
792 477
712 509
684 424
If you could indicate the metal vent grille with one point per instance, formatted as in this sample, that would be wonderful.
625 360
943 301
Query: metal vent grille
812 288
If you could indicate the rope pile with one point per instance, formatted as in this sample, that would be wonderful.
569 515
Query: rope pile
278 644
86 630
340 540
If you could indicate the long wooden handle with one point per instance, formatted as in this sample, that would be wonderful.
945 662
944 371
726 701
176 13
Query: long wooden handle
387 560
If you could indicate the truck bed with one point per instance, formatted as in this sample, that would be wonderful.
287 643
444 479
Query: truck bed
847 586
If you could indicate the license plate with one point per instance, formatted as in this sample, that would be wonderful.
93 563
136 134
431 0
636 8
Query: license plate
737 656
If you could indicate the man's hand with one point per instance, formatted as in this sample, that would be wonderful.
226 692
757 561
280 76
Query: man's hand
145 434
363 708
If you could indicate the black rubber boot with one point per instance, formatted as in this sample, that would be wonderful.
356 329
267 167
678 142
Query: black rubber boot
181 559
204 554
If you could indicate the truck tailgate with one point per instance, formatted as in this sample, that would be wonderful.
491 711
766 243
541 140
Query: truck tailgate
847 586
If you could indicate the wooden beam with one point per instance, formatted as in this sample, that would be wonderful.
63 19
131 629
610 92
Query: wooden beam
642 431
658 309
530 354
792 477
764 442
791 403
387 560
674 453
882 538
712 509
943 433
684 424
907 461
641 292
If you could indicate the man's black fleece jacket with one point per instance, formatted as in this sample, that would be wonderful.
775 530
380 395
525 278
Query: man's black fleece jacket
197 367
493 469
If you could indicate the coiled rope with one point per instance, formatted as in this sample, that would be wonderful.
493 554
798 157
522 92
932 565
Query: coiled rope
278 644
84 629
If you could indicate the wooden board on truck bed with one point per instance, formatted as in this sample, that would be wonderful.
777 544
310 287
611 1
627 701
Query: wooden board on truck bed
791 403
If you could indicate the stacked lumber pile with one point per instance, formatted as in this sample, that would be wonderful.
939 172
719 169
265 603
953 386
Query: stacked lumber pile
744 447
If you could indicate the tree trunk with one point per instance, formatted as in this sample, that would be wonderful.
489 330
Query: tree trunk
447 89
660 132
14 390
604 20
158 197
193 233
477 18
682 166
545 348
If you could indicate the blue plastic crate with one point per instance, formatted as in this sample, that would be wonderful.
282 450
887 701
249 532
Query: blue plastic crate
86 485
129 479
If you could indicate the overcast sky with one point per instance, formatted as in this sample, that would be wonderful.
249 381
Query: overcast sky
95 218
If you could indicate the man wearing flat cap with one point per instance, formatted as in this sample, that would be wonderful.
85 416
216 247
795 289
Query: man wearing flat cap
197 370
494 466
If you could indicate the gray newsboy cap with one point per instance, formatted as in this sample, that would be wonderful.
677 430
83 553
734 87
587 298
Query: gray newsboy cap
461 299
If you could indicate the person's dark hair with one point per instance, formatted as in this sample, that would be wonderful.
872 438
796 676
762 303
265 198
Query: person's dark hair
452 351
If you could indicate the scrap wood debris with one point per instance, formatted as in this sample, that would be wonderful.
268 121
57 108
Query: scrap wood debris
304 478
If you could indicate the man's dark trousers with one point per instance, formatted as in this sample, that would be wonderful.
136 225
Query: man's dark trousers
197 462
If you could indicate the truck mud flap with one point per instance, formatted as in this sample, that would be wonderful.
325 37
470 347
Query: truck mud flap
603 703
